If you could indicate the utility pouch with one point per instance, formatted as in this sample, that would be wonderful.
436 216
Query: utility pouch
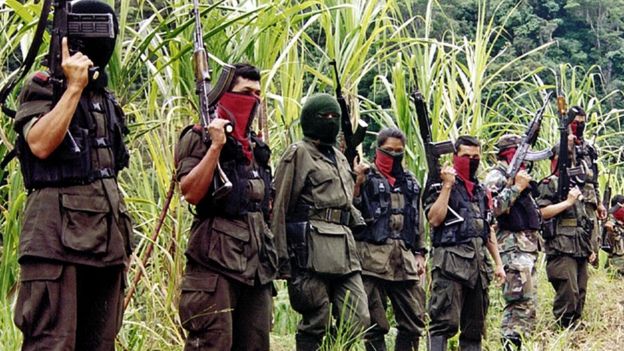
297 237
549 228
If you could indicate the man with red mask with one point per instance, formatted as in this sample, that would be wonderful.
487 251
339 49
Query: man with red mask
585 155
225 302
518 221
615 230
458 210
392 247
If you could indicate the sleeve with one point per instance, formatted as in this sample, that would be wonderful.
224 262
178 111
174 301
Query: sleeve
188 153
35 100
420 246
504 196
286 190
429 198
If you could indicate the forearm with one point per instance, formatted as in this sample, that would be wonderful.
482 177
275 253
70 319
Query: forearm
49 130
551 211
492 247
437 212
195 185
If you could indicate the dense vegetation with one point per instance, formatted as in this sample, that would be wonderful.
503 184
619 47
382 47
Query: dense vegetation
482 65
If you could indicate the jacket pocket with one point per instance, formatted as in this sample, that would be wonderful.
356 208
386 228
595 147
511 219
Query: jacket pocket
459 263
198 301
326 189
328 248
374 258
85 222
229 244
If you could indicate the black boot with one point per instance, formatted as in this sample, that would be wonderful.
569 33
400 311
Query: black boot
306 343
405 342
512 343
469 345
375 345
437 343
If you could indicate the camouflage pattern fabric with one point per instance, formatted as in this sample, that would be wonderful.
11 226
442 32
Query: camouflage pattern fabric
616 240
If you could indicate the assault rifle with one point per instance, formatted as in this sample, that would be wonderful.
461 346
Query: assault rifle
528 140
606 202
433 150
564 164
208 96
351 139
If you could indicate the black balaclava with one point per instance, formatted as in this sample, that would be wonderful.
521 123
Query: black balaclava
316 127
99 50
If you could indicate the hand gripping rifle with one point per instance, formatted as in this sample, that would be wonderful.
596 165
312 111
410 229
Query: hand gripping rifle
528 140
433 150
208 97
352 139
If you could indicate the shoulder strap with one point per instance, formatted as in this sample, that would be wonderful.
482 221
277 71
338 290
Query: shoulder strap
28 61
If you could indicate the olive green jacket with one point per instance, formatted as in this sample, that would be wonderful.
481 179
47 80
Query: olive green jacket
305 176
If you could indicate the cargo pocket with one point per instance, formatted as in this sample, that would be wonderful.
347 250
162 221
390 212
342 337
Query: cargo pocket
85 223
440 299
374 258
228 241
306 293
198 303
328 248
459 263
38 298
517 285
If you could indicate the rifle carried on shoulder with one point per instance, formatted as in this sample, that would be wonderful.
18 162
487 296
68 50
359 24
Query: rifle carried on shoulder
352 139
528 139
208 97
433 150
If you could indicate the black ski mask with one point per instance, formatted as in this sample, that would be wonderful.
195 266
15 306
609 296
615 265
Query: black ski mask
98 48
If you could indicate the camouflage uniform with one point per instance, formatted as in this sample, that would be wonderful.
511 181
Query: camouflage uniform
616 241
312 216
226 298
75 239
585 155
567 254
460 273
519 252
389 269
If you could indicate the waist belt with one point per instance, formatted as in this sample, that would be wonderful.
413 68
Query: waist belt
331 215
569 222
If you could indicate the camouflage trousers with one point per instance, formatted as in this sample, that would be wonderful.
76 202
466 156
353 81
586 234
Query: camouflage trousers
519 293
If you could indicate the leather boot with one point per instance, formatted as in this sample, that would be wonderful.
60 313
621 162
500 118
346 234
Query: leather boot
437 343
469 345
405 342
375 345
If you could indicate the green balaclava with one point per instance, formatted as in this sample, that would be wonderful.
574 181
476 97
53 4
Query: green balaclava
313 124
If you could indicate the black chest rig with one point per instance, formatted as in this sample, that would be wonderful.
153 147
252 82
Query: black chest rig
251 183
377 209
524 214
474 212
72 162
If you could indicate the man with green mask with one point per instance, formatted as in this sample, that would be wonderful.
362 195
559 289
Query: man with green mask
312 220
391 248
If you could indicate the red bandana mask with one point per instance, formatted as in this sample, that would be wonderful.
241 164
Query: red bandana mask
466 169
508 155
240 110
385 163
619 214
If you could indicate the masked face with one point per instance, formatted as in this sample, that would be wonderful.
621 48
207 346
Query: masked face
389 162
466 167
320 118
98 49
240 109
577 128
619 213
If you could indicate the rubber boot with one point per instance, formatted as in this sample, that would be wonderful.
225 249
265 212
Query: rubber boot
405 342
437 343
375 345
512 343
469 345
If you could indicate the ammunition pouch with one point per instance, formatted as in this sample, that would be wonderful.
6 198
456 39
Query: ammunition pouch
297 237
549 228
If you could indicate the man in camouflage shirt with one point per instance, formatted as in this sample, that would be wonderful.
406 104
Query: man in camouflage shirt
615 234
518 222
